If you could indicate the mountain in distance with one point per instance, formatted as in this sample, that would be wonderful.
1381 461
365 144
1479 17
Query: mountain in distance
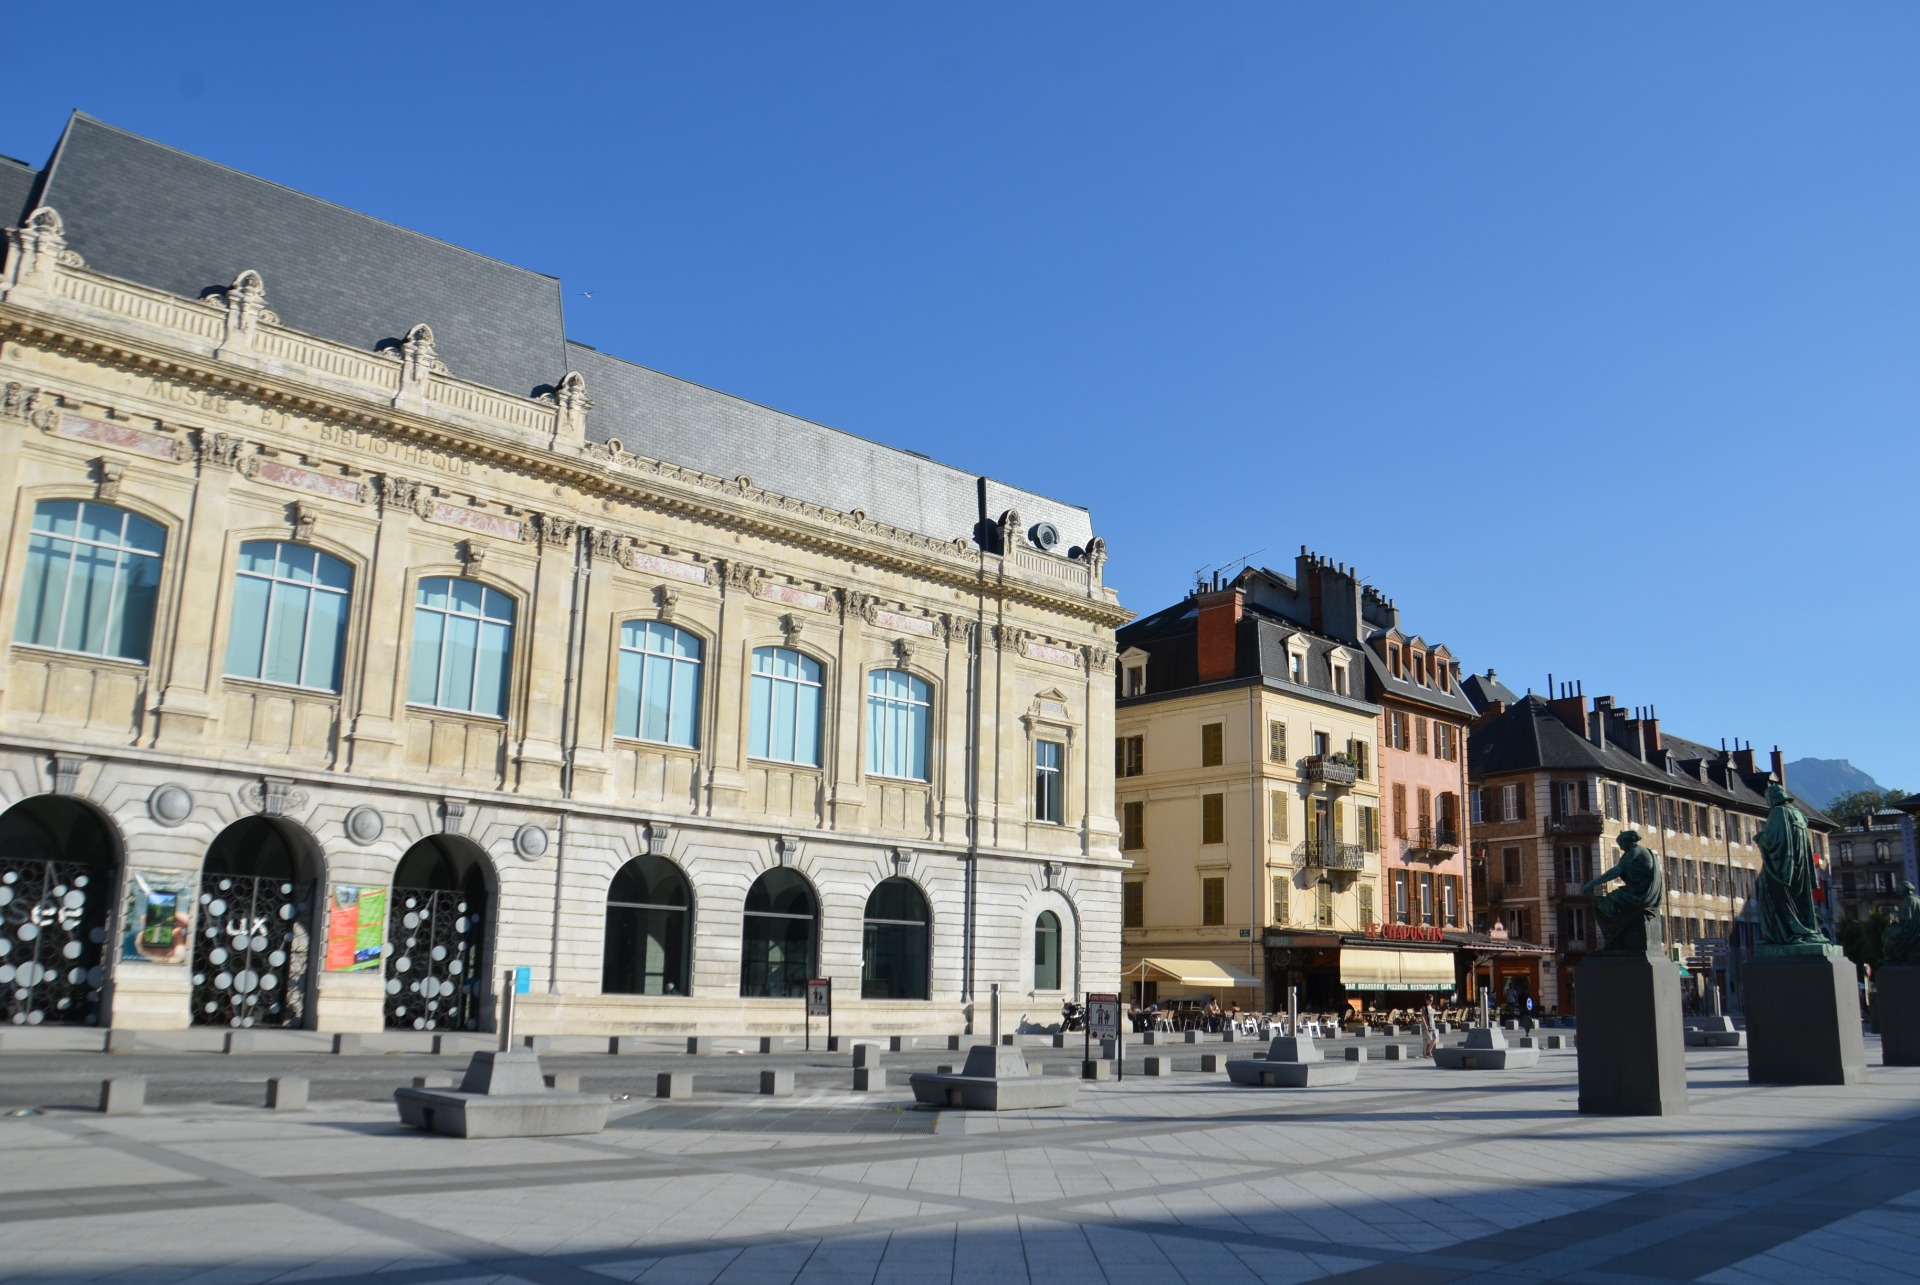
1821 781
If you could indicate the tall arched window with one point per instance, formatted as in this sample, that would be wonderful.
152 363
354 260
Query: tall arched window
648 930
252 946
893 957
899 724
91 581
786 707
57 862
1046 952
289 615
462 646
777 937
659 697
436 952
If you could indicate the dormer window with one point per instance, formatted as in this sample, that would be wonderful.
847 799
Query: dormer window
1340 680
1393 659
1133 672
1297 668
1420 668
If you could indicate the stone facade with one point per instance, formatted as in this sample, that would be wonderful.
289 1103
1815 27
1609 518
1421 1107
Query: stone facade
1869 863
222 428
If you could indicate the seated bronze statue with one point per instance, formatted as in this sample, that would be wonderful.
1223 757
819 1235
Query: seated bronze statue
1630 914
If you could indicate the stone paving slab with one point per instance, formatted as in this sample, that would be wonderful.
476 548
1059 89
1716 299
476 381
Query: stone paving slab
1411 1174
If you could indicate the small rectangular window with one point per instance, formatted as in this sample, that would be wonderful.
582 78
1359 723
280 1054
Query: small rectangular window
1363 904
1213 902
1129 755
1399 810
1213 818
1277 816
1282 900
1478 805
1276 741
1399 896
1453 901
1133 904
1049 761
1211 742
1323 904
1426 897
1510 867
1133 825
1612 793
1357 751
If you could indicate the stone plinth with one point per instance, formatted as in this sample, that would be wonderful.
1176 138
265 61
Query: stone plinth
1897 1004
1803 1020
993 1079
1632 1058
1485 1050
504 1095
1292 1062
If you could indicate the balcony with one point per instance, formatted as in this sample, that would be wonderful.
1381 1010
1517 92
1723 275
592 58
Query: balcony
1431 842
1331 770
1579 823
1324 854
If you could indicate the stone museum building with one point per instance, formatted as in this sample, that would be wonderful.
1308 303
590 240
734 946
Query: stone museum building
363 639
1556 781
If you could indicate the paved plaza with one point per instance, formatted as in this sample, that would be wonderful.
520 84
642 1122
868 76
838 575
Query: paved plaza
1412 1174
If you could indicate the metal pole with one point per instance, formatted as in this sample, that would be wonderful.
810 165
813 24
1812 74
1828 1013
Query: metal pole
1293 1010
506 1010
994 1002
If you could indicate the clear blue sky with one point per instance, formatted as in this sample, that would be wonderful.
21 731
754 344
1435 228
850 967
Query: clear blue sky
1586 331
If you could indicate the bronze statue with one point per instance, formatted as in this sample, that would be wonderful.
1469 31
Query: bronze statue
1788 923
1626 912
1900 940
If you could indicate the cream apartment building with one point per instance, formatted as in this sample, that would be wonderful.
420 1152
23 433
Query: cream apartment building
1249 801
364 641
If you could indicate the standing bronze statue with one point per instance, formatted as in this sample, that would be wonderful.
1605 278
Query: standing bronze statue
1789 925
1900 940
1626 913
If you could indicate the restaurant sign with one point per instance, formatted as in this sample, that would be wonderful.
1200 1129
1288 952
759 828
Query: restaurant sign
1405 932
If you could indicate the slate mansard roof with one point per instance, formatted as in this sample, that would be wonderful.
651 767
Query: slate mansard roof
1170 638
161 218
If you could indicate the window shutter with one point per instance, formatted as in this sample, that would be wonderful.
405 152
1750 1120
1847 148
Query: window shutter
1420 735
1520 802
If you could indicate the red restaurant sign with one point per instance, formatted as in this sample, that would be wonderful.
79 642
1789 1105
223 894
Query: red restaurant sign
1406 932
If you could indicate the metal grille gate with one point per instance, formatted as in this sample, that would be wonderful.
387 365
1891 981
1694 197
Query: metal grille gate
53 931
433 964
250 952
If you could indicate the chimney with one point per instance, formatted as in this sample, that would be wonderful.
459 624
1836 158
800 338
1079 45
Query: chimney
1571 708
1218 634
1743 759
1779 766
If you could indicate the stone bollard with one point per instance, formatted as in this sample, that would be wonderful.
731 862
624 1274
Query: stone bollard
1209 1061
126 1095
866 1055
1009 1039
776 1084
673 1084
562 1082
1556 1041
697 1044
435 1082
1356 1054
1511 1024
287 1093
237 1042
868 1078
537 1043
1059 1039
900 1043
1192 1037
955 1043
943 1070
442 1044
1525 1042
618 1045
839 1043
1156 1065
120 1041
345 1044
774 1044
1394 1052
1095 1068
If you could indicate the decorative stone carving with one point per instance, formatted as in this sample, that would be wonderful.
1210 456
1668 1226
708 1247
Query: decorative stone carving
39 245
419 362
863 605
556 532
304 516
610 545
1097 556
452 813
793 626
738 575
473 553
66 773
785 848
364 824
1099 659
107 475
1012 637
530 842
659 835
246 309
40 409
666 599
397 494
900 859
903 650
273 796
1010 528
571 404
217 450
169 804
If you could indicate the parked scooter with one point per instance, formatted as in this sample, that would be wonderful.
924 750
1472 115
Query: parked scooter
1073 1016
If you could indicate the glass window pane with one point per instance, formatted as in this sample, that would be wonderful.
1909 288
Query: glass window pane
656 689
465 596
89 599
332 573
918 727
686 703
626 721
99 522
43 591
326 640
247 632
286 634
806 727
490 674
423 685
139 600
257 557
296 563
57 516
760 700
783 721
876 735
457 661
433 592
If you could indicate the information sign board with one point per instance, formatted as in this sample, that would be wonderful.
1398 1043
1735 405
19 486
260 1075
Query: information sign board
819 997
1103 1014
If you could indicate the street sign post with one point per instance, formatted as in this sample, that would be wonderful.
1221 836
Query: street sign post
819 1004
1103 1015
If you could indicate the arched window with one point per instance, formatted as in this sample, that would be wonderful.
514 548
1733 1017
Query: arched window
1046 952
462 646
659 696
893 957
91 581
777 937
289 615
57 863
899 724
436 936
252 943
786 707
648 930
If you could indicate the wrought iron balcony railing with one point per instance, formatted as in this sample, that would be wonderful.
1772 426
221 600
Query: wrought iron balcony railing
1331 771
1328 855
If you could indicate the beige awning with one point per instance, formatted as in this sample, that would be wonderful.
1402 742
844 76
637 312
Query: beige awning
1364 968
1191 972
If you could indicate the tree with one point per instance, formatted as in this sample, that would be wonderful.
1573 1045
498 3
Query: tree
1856 806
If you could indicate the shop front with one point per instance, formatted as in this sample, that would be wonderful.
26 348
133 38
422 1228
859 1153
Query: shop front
1393 966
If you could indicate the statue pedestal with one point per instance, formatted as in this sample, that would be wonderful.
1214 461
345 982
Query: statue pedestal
1632 1054
1896 1002
1803 1020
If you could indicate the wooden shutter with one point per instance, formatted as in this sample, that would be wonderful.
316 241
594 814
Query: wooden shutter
1399 810
1420 735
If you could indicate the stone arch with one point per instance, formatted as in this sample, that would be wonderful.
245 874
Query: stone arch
256 925
441 923
59 857
648 946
